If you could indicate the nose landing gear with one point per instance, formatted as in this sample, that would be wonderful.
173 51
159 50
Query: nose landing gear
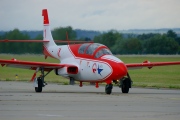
108 88
125 83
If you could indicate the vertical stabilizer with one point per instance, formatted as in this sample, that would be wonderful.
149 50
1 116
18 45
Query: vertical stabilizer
47 32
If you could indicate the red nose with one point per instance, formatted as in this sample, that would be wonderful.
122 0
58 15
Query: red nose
119 71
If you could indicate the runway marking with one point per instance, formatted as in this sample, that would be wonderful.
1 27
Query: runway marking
175 98
48 115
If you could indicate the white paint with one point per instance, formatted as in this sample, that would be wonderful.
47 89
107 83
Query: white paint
112 58
49 115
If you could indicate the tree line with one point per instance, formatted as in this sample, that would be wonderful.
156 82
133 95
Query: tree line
34 48
152 43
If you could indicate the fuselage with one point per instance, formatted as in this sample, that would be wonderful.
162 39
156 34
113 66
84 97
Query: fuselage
95 62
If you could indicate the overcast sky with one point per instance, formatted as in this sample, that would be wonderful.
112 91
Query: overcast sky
90 14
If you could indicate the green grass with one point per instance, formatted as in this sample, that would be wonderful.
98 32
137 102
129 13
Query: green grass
8 73
157 77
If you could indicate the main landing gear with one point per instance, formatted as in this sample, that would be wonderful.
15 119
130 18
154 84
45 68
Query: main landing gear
39 82
125 83
39 86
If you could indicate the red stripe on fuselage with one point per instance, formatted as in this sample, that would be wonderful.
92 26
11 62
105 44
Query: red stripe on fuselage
118 69
46 52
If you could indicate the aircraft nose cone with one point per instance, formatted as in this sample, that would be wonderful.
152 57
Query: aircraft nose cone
119 70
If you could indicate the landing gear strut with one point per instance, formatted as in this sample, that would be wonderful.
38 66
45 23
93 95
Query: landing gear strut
71 81
39 82
108 88
125 84
40 85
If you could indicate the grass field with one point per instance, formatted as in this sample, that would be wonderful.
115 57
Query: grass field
159 77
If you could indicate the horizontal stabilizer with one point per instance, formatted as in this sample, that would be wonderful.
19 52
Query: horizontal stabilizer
24 40
45 41
37 41
72 41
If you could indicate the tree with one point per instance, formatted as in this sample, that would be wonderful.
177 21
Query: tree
14 47
109 39
36 47
85 39
59 33
129 46
146 36
171 34
161 44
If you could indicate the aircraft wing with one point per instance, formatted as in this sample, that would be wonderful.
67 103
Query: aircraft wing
150 64
33 65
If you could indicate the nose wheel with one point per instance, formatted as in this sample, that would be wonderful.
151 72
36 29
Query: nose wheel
108 88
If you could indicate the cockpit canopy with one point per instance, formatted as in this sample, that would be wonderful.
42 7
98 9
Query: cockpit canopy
95 49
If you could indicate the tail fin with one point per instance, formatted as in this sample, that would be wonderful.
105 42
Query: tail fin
47 32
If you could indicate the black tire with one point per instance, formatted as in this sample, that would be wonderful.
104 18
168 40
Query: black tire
71 81
125 86
108 89
40 85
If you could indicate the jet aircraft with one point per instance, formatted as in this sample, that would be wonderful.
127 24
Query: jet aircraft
85 62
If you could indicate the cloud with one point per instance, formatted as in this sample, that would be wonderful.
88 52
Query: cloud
90 14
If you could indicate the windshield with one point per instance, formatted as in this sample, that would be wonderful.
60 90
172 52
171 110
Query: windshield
88 48
83 48
102 52
92 48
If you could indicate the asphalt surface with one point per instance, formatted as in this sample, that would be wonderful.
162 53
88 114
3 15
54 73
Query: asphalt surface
18 101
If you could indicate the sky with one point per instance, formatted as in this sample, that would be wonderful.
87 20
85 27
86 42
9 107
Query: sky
98 15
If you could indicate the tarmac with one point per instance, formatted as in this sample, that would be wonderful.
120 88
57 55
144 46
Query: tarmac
18 101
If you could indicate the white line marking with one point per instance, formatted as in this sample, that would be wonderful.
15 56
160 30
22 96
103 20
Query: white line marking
48 115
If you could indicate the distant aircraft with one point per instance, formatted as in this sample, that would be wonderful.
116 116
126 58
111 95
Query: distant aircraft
85 62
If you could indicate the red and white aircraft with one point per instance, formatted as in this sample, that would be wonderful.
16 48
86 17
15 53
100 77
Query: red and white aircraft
87 62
